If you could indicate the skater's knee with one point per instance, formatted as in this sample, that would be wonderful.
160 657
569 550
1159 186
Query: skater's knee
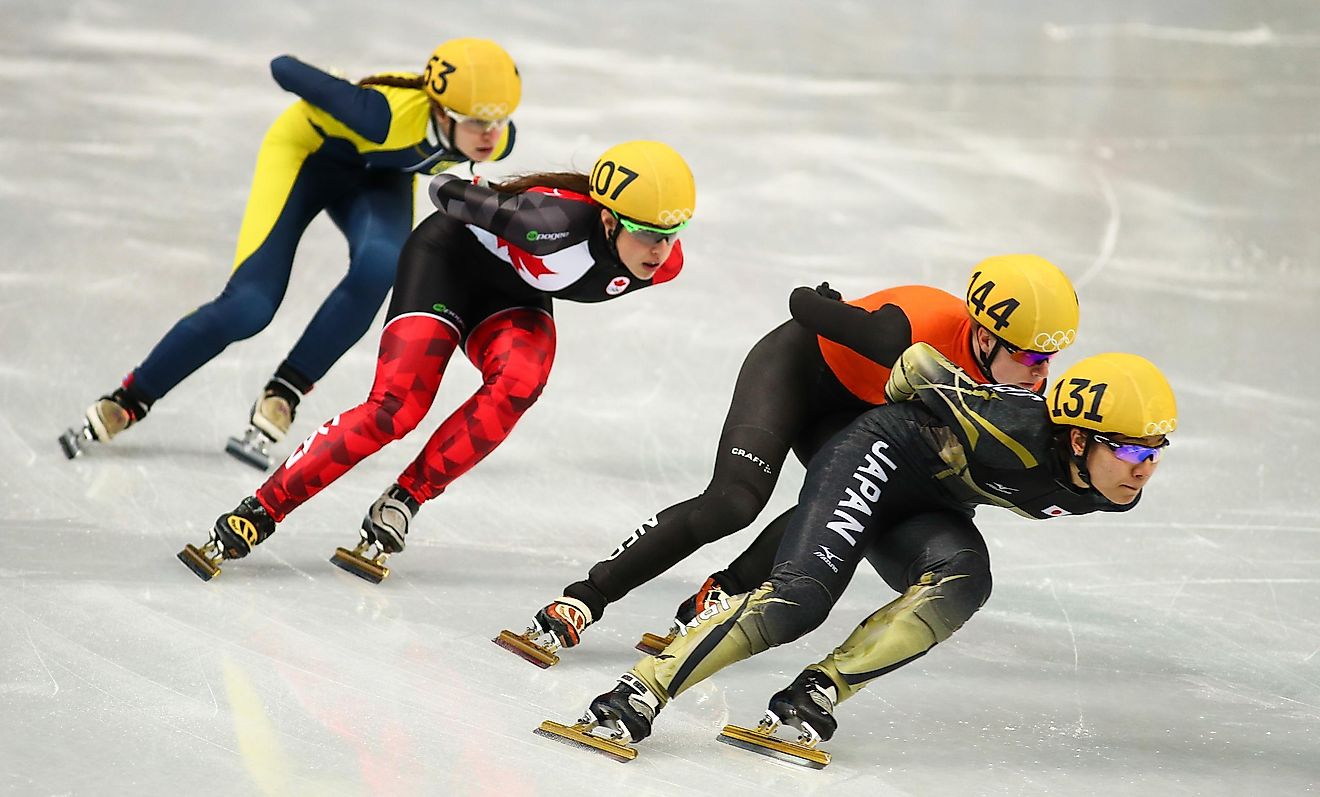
396 414
794 606
519 381
726 507
960 585
244 311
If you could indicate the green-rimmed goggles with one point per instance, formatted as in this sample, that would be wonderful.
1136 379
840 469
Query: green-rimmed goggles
648 234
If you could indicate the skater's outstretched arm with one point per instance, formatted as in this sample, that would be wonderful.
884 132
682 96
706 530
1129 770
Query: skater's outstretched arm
366 111
880 335
539 222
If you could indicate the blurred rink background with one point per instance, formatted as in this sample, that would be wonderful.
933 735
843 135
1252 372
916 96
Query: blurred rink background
1164 155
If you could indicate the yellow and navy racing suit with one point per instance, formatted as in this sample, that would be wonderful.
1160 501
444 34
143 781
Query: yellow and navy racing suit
350 150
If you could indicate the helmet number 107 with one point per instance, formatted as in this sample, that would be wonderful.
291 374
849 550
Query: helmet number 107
979 297
604 176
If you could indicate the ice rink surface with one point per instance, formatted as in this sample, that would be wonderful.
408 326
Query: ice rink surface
1166 155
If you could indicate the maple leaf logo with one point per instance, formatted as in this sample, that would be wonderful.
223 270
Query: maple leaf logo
533 265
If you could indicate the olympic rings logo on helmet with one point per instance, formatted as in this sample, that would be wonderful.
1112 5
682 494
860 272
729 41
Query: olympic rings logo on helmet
1165 426
673 218
1054 341
489 110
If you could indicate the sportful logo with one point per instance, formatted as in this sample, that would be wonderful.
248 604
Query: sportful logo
533 235
617 286
870 477
637 534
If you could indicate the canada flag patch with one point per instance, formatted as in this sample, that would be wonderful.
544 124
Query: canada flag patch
617 286
1055 511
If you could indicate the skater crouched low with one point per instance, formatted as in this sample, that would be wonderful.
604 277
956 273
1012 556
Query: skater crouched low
479 276
898 488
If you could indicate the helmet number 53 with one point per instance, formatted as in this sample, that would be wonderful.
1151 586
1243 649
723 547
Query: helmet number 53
438 76
605 174
979 297
1075 403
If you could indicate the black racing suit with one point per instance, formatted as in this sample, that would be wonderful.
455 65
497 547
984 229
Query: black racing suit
898 487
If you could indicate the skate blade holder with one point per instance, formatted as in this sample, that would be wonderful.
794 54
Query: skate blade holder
356 561
521 645
205 565
579 735
74 439
653 645
761 739
253 448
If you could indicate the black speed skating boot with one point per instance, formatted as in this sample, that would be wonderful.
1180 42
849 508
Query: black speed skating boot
626 711
233 537
807 705
613 720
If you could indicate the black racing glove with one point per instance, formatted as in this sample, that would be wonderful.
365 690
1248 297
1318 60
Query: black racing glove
825 290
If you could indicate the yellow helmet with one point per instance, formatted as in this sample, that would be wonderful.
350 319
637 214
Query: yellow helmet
646 182
1025 301
473 77
1115 393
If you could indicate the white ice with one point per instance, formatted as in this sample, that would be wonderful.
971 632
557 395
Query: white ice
1164 154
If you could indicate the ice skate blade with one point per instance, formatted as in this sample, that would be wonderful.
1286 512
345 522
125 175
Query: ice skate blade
360 566
72 442
653 645
767 745
198 563
520 645
578 736
248 454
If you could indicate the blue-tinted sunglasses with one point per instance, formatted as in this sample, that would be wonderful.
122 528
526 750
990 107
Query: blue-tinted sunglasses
1131 452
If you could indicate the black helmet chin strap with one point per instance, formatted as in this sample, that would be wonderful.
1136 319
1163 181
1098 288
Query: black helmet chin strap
1075 459
613 240
443 132
983 359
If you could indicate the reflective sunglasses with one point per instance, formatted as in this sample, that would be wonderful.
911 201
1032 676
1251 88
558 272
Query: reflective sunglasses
477 125
1131 452
1027 357
647 234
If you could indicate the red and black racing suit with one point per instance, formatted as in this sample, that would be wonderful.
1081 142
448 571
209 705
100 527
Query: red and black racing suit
480 273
